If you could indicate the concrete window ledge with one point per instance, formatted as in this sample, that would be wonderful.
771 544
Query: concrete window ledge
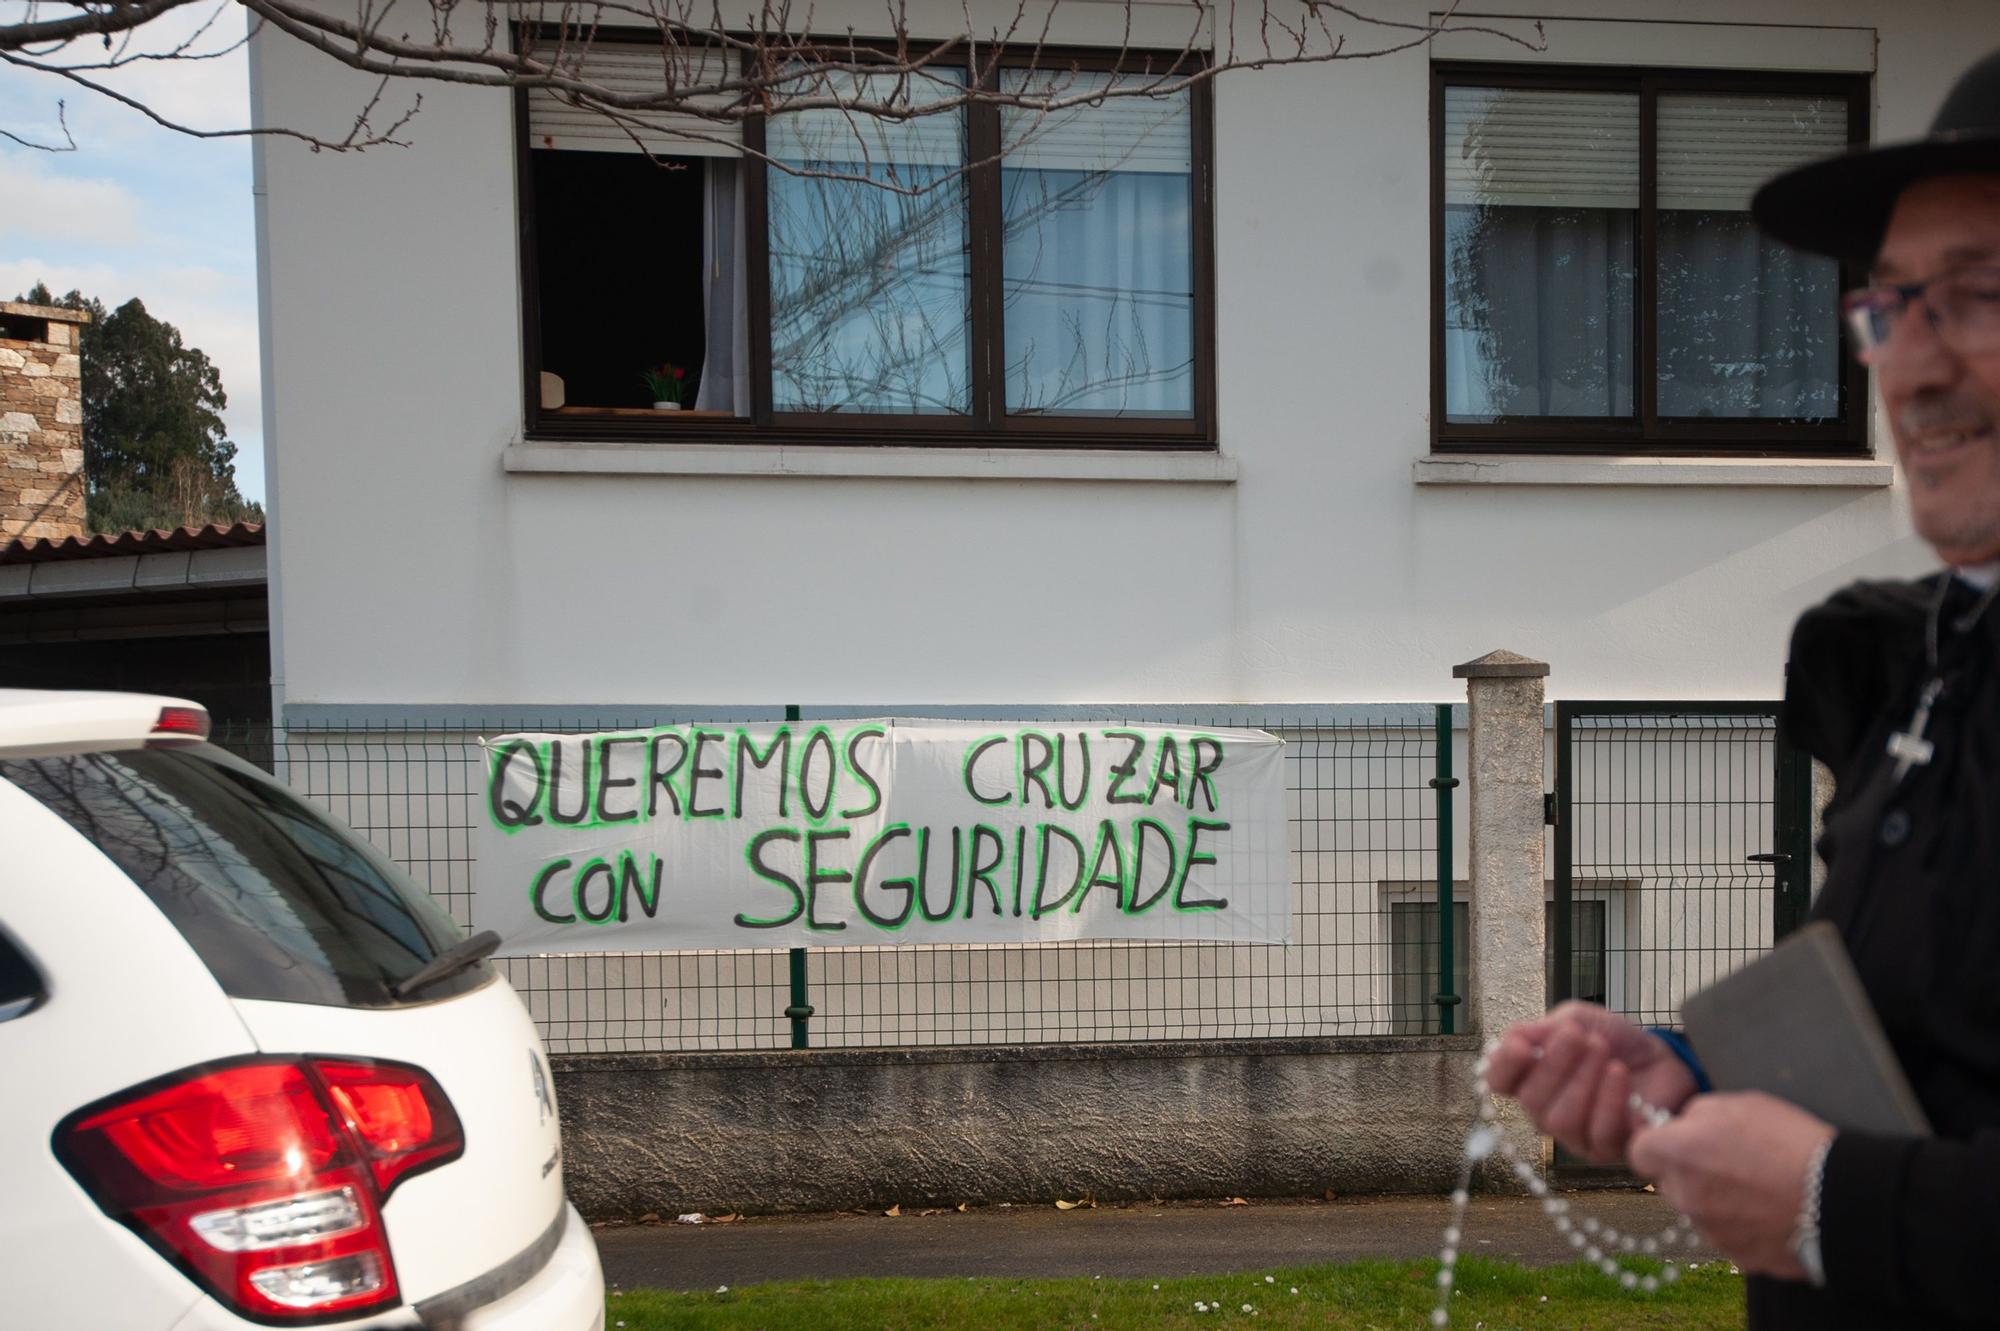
943 464
1525 469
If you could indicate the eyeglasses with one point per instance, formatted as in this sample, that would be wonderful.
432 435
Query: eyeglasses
1963 306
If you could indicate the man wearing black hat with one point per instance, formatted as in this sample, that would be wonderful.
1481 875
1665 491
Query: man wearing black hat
1896 687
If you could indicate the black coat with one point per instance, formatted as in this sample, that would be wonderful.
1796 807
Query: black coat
1910 1228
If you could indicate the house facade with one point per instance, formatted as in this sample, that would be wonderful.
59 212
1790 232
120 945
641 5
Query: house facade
1261 403
1304 520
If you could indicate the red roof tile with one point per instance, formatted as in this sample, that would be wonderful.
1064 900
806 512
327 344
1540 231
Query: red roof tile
215 536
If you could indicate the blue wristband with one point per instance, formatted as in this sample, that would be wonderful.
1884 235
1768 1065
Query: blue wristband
1681 1049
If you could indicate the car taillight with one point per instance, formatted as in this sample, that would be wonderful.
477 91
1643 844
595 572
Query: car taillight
178 725
263 1180
397 1113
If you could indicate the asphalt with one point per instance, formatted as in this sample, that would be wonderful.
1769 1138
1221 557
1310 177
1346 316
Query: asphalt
1116 1241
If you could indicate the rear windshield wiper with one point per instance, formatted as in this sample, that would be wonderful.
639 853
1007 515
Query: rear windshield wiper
449 962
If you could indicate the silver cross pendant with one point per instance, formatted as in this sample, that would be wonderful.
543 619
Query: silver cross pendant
1909 747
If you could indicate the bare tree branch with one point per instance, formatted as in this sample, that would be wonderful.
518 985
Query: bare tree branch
93 20
361 135
68 145
714 72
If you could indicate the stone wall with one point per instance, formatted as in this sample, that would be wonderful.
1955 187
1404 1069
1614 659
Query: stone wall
818 1130
41 423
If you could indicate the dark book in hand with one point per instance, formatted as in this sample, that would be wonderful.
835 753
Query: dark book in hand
1797 1024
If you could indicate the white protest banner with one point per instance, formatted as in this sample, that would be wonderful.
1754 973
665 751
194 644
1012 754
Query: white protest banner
881 831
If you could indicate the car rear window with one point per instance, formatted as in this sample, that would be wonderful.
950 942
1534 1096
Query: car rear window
279 900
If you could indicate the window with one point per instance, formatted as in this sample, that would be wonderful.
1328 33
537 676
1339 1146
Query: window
1413 965
1058 295
1600 946
1589 971
1599 284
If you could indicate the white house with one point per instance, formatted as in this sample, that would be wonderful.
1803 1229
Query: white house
1289 391
442 544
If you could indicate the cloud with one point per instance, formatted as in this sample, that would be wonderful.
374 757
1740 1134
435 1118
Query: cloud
199 93
44 204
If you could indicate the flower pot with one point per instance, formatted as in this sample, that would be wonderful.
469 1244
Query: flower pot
666 406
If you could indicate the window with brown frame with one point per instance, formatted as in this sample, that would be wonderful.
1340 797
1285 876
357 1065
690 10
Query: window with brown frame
1598 283
982 276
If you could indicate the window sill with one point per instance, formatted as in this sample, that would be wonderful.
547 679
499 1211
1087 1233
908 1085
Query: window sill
1519 469
1184 466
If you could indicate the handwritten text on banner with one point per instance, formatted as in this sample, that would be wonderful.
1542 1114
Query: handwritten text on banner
882 832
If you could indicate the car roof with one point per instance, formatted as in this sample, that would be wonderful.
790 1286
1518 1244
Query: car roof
35 722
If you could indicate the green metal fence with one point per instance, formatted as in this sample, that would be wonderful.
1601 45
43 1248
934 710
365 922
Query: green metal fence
1682 849
1372 953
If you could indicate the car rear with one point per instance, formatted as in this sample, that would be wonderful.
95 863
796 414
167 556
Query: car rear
281 1087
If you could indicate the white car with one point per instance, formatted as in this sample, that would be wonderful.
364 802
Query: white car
251 1075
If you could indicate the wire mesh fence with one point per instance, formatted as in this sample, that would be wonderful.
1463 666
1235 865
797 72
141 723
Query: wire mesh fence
1679 852
1364 836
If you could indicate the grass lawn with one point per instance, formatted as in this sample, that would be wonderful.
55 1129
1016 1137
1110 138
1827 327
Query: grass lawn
1361 1296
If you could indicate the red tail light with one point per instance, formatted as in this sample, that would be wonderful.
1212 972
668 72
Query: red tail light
263 1180
178 725
398 1114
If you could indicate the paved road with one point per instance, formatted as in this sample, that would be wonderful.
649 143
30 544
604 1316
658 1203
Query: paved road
1187 1238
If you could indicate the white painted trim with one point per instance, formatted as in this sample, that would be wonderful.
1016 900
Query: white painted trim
267 368
306 716
1535 469
954 464
1661 44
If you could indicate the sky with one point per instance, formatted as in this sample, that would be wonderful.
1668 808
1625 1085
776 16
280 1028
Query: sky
138 210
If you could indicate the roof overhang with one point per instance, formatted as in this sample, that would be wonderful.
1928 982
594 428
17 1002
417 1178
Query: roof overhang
235 568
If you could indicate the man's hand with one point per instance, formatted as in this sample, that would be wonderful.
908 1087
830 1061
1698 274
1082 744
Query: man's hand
1736 1165
1575 1070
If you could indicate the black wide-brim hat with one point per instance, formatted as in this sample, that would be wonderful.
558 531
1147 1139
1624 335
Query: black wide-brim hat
1841 205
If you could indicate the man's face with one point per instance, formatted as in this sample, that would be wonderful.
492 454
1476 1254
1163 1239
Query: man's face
1944 406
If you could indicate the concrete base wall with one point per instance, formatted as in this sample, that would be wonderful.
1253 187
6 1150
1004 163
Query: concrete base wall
826 1130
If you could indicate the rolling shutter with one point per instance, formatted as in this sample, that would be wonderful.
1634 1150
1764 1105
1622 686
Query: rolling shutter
1716 150
635 67
1534 147
1145 134
836 137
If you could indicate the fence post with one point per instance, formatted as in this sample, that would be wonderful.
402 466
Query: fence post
800 1010
1504 742
1444 783
1792 792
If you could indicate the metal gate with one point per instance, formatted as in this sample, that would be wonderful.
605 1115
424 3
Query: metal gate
1682 849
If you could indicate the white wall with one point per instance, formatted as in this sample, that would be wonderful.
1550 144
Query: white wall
413 570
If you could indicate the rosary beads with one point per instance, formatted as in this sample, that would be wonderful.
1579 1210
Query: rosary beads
1598 1243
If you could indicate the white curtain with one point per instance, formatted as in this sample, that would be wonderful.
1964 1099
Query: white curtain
871 287
1748 328
725 296
1538 312
1541 208
1099 293
1097 254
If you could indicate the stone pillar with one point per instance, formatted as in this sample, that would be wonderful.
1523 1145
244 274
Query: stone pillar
1504 761
41 422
